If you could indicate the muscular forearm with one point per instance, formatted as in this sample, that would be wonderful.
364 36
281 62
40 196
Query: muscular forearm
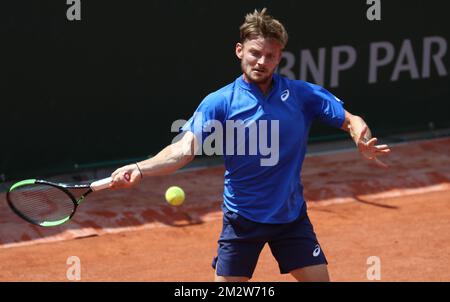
167 161
170 159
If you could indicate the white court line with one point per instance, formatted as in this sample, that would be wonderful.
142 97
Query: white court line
383 195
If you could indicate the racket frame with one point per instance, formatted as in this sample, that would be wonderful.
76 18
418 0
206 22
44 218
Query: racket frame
61 186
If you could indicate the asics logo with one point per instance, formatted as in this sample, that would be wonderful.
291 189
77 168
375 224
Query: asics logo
316 251
285 95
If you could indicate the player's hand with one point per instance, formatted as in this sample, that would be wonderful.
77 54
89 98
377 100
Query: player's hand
125 177
369 150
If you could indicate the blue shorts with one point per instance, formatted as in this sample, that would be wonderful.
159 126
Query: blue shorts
294 245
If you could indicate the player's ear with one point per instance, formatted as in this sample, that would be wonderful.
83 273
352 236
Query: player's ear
239 50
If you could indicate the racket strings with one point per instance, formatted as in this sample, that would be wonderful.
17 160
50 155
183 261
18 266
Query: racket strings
41 203
77 192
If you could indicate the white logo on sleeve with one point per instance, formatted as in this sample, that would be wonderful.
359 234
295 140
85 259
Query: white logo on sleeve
316 251
285 95
337 99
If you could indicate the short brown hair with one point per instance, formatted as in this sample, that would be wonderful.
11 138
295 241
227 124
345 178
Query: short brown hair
260 24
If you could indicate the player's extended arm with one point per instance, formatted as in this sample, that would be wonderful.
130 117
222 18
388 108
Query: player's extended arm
168 160
362 136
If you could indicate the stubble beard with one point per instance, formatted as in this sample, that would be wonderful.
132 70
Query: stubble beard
256 80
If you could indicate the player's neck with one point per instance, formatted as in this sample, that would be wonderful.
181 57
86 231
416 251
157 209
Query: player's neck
264 87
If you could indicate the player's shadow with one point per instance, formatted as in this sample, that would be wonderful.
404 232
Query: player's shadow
375 204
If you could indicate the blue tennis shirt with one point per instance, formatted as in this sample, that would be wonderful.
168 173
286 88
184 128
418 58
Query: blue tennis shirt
263 139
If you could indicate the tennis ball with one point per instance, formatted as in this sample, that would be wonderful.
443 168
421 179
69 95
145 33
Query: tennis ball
175 195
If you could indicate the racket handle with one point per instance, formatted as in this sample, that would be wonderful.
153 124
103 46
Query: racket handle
101 184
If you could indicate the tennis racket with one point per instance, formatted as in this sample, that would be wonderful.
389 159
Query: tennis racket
48 204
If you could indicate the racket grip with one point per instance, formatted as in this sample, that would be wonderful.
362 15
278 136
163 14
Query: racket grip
101 184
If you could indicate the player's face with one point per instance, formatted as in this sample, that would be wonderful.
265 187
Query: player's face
259 59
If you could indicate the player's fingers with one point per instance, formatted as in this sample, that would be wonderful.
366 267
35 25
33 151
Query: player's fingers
381 147
133 178
382 153
374 149
119 180
114 178
113 183
113 174
367 154
371 142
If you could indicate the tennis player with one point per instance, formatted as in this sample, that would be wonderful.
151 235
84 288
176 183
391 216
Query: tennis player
263 200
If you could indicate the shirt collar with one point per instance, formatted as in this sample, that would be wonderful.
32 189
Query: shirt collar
253 87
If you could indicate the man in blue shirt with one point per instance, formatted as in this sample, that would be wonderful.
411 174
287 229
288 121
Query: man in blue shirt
260 123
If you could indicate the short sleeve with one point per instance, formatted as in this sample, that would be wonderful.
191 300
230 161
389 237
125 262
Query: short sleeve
324 106
210 112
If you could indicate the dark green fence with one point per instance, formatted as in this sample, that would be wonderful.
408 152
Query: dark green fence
108 87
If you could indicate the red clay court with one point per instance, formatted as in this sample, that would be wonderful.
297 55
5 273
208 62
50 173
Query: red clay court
400 215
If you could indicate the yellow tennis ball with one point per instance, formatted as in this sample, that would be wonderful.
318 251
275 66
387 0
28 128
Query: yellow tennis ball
175 195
